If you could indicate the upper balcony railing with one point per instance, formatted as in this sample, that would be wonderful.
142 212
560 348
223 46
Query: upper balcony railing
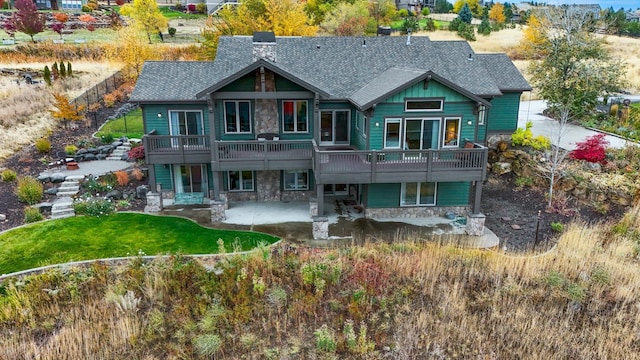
392 166
177 149
263 155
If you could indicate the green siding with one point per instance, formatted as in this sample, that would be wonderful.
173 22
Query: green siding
283 84
448 194
435 89
383 195
161 124
163 176
503 114
358 140
453 194
245 83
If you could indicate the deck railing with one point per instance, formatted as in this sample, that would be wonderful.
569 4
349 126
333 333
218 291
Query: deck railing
168 143
271 149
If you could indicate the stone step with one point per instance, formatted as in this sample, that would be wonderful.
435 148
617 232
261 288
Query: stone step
66 193
62 213
74 177
62 202
69 184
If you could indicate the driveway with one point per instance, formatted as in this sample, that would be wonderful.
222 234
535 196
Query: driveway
542 125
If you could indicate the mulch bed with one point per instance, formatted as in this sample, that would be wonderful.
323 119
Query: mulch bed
28 161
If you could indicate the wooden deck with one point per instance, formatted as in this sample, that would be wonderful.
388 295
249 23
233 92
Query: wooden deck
330 165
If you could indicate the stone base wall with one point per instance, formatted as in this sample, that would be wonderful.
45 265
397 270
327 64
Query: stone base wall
217 211
413 212
296 195
242 196
268 185
475 224
154 202
320 228
493 139
168 194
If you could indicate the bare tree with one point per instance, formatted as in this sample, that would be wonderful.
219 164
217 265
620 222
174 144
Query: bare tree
553 165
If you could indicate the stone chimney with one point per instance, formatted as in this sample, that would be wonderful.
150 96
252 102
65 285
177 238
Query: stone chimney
264 46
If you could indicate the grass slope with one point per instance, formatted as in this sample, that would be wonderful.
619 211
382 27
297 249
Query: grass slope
129 125
83 238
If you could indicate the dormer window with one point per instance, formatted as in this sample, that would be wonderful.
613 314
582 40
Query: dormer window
423 104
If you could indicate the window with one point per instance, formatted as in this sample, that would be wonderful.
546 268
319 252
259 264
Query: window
187 123
482 114
418 194
392 134
361 124
241 180
237 116
452 132
295 116
190 178
423 105
296 180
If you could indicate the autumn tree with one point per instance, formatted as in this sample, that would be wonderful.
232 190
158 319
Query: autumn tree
534 43
347 20
496 14
131 51
146 16
577 68
283 17
382 11
27 19
65 110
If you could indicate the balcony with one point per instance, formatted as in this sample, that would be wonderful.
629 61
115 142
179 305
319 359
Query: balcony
177 149
263 155
392 166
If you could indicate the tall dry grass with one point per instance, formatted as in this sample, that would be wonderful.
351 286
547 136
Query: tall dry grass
24 109
416 300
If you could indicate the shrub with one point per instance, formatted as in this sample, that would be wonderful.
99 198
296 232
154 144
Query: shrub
207 345
523 181
430 25
123 177
8 175
32 214
541 142
172 31
325 339
86 8
106 139
137 174
403 13
466 31
47 75
136 153
94 207
96 185
557 226
592 149
109 100
201 8
70 149
29 190
43 145
426 11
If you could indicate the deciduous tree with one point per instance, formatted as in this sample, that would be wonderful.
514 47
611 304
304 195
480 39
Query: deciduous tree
534 43
382 10
146 16
65 110
132 51
577 68
27 19
496 14
346 20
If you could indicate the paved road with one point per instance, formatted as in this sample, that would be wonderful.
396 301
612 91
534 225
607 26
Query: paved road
542 125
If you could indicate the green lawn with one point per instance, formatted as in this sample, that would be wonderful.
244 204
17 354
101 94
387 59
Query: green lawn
422 23
129 125
121 234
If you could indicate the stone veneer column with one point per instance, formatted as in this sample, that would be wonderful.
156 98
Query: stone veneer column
154 202
320 228
475 224
313 207
266 112
217 211
268 185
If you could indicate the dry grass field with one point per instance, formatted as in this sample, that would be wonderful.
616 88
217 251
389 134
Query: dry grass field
24 108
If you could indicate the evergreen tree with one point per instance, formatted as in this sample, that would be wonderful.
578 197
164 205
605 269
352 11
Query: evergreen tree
484 28
442 7
465 14
55 71
69 70
62 70
47 75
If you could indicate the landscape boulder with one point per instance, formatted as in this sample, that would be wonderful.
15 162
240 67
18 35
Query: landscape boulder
44 178
141 191
3 217
57 178
501 168
43 206
101 156
51 191
89 156
114 195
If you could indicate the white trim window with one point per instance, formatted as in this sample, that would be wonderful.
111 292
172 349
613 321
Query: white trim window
241 180
392 131
418 194
423 105
237 117
482 114
451 129
295 116
296 179
361 124
186 123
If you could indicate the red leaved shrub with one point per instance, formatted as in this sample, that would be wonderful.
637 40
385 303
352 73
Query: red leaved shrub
592 149
137 153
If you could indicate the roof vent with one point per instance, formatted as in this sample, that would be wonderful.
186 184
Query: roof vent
470 58
364 43
408 36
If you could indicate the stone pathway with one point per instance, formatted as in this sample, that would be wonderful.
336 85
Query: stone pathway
120 151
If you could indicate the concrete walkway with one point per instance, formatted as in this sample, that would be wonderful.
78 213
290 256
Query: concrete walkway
94 167
542 125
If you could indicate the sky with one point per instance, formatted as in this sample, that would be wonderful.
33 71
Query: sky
605 4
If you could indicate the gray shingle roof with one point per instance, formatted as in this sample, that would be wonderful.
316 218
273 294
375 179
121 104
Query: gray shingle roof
341 66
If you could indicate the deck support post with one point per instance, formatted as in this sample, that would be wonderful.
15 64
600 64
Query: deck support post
320 199
477 196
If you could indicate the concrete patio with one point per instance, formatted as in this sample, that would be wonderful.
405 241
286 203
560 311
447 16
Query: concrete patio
347 225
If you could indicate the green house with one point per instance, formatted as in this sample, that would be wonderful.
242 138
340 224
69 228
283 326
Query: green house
399 125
